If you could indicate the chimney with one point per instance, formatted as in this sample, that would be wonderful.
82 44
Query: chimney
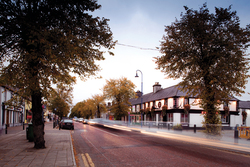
156 87
138 93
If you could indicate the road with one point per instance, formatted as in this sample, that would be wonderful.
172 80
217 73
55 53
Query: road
102 146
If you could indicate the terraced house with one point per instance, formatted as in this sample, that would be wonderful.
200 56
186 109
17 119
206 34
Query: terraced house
174 106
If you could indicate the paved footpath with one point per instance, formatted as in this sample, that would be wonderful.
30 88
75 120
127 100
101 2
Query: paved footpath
16 150
225 142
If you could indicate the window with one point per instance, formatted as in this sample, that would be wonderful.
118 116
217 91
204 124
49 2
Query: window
166 102
184 118
185 101
224 118
170 117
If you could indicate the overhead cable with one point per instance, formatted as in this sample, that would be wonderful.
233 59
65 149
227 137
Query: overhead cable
157 49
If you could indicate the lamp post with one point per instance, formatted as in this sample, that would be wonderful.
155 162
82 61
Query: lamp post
141 90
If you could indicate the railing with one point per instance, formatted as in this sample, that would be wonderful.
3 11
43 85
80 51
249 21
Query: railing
149 124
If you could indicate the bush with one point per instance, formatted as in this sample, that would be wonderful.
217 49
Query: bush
177 127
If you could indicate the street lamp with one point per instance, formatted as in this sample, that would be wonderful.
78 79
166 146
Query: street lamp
136 75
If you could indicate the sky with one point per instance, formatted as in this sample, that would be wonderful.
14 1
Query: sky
138 27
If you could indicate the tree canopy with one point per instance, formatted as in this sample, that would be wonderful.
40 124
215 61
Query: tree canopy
43 42
60 100
77 109
84 109
119 91
208 51
99 102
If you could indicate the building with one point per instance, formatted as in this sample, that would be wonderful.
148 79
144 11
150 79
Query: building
11 115
244 106
174 106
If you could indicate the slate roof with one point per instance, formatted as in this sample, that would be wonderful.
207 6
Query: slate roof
173 91
244 104
161 94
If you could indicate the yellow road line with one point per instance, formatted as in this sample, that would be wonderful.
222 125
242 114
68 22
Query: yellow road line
90 160
85 161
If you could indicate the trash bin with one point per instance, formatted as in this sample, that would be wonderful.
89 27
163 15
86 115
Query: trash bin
27 129
30 135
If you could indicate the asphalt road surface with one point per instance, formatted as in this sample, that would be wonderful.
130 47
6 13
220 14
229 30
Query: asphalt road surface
102 146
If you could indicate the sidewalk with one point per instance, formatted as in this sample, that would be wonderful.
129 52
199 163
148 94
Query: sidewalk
225 142
15 150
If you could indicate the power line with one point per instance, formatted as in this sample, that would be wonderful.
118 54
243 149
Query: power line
157 49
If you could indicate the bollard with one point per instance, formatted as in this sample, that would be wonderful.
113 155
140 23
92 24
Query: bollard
236 133
168 126
53 124
6 128
23 125
194 128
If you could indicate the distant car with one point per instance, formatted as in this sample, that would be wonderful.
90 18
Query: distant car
91 122
80 120
66 124
85 121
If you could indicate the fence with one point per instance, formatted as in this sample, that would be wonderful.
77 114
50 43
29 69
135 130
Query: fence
149 124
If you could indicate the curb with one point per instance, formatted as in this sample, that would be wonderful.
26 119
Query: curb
72 151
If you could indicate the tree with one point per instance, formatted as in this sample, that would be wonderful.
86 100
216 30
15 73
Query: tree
89 109
44 42
119 91
60 100
99 102
85 109
208 51
76 110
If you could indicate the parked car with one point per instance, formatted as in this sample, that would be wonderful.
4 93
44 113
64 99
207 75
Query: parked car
66 124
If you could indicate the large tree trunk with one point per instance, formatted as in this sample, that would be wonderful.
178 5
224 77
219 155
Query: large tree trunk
38 124
212 119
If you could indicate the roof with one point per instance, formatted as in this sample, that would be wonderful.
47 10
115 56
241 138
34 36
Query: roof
244 104
173 91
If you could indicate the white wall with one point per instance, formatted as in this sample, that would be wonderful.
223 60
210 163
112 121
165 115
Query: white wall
232 105
248 117
138 108
157 119
151 104
194 104
235 119
170 103
221 107
195 119
177 118
133 108
8 95
156 103
181 102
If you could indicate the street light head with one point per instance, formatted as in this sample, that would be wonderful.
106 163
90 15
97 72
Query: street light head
136 75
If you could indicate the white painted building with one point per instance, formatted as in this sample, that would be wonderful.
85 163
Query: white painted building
175 99
244 106
10 115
